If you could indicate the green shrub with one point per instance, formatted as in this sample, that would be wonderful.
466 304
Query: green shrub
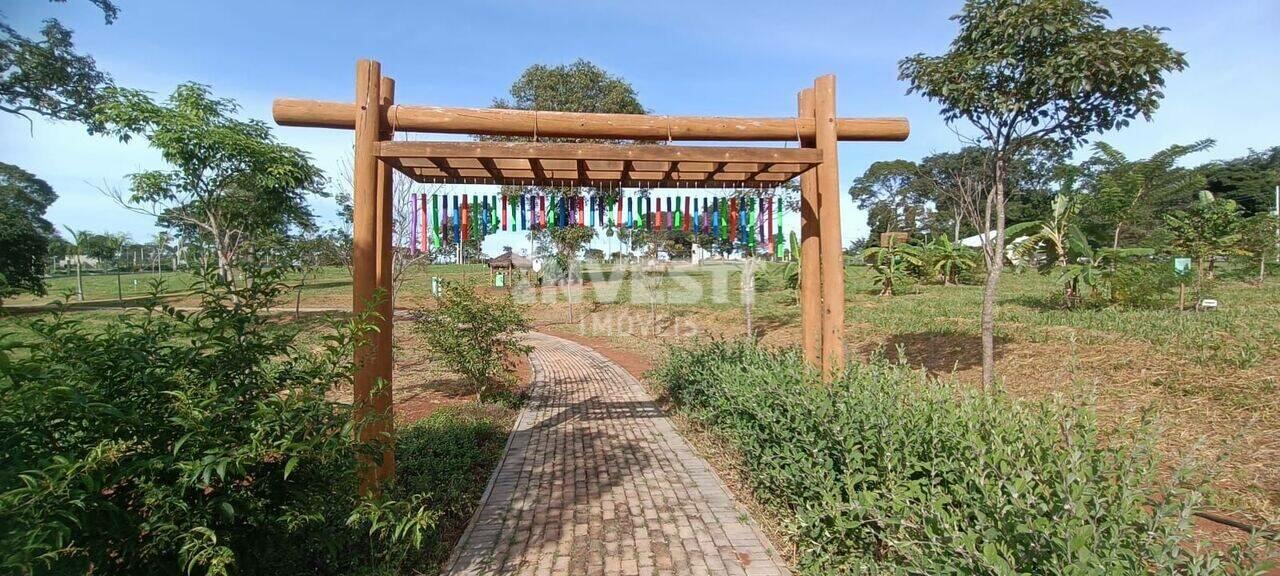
170 442
885 470
1143 284
447 458
475 335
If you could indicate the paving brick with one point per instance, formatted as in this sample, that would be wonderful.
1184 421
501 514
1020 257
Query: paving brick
595 480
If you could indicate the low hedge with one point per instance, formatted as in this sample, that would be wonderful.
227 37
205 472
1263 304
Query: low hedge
886 470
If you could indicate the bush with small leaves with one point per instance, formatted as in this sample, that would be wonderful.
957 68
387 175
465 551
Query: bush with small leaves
170 442
884 470
475 335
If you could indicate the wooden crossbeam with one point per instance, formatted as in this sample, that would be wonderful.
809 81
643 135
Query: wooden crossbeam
507 122
561 151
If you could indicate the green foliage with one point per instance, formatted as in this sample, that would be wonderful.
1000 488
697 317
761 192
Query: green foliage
475 335
46 76
230 179
948 260
1131 192
1023 71
1055 241
894 197
578 87
187 442
447 458
23 248
885 471
25 235
1207 228
890 263
1249 180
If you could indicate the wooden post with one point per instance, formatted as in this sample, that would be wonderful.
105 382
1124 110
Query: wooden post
824 103
810 268
384 426
364 252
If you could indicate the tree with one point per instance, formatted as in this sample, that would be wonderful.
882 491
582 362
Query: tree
1128 191
892 194
1028 73
1210 227
24 232
47 77
1261 237
565 243
78 238
403 257
1250 180
475 335
231 179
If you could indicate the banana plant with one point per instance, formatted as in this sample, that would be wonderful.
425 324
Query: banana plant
948 259
887 263
1094 269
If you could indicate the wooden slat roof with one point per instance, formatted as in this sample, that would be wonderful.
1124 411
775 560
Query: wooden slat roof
596 165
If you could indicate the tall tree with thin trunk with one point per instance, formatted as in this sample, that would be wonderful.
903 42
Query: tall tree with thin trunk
1127 192
230 179
78 238
1027 73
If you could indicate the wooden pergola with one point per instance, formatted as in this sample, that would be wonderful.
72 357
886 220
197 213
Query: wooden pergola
651 161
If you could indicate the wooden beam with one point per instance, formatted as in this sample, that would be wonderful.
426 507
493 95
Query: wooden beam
824 106
502 122
535 165
558 151
364 253
810 267
723 180
384 425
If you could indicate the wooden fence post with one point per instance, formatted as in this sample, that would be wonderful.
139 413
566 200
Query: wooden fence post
810 259
364 252
384 423
824 101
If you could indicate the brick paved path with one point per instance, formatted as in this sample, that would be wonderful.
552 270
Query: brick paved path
595 480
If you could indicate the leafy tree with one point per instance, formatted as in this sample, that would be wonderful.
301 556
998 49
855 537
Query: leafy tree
577 87
1133 191
231 180
891 194
1261 237
475 335
47 77
1208 228
1249 180
24 232
1026 73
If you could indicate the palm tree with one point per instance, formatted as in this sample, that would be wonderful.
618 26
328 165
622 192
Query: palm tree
948 258
77 240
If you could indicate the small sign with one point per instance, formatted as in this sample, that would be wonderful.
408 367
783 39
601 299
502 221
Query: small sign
1181 266
435 286
888 239
500 280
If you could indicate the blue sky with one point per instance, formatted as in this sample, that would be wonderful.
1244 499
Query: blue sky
712 58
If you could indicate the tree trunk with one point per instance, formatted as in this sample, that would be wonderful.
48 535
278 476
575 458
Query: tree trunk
79 280
1115 242
994 268
955 234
